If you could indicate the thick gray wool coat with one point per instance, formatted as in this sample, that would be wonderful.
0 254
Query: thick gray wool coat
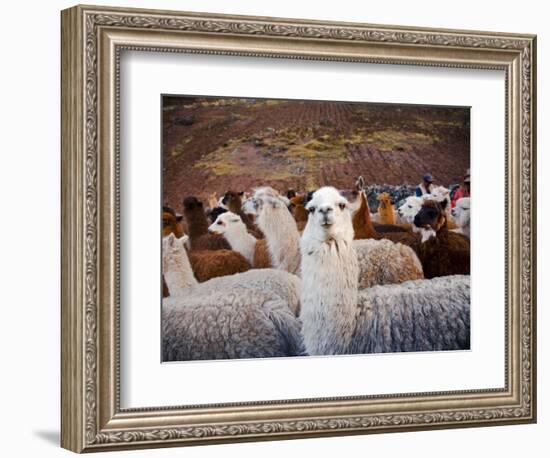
419 315
248 315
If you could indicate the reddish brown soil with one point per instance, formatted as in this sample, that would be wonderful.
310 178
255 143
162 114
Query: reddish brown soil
387 144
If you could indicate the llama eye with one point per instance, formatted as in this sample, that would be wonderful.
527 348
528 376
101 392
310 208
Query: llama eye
220 223
311 209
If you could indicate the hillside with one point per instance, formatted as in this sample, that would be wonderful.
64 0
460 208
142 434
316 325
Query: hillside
215 144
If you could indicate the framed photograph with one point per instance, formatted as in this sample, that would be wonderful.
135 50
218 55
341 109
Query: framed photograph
269 232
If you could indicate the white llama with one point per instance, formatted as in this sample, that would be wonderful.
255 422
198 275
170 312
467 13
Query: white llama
231 226
461 214
278 225
337 318
248 315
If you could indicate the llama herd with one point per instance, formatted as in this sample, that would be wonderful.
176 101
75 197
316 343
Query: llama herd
270 275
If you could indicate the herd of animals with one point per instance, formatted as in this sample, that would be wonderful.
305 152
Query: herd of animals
272 275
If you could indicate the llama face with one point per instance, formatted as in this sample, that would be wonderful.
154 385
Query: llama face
384 199
171 245
232 199
225 222
352 196
192 203
262 196
410 208
168 221
430 216
329 215
461 212
439 194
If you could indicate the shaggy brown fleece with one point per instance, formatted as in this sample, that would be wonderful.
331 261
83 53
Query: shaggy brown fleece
362 224
262 258
448 253
210 264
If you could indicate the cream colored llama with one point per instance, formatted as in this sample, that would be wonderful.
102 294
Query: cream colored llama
278 225
247 315
337 318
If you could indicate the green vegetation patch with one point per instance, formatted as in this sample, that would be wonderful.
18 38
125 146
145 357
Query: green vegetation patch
391 140
279 155
180 147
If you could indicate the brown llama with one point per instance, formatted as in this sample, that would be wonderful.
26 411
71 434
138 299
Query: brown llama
441 251
171 224
207 264
197 224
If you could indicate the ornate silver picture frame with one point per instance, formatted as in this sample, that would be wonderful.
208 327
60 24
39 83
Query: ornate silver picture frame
93 39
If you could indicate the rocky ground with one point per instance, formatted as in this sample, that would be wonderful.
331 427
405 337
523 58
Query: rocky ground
219 144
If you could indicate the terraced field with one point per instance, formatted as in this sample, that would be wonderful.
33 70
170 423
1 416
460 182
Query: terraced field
216 144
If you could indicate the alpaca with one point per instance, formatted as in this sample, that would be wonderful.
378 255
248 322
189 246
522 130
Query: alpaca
234 203
197 224
212 200
442 194
298 210
234 230
278 225
337 318
207 264
363 224
247 315
408 210
441 252
171 225
380 261
172 222
386 210
213 213
383 262
461 214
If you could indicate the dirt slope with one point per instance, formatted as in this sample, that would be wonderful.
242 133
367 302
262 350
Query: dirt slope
213 145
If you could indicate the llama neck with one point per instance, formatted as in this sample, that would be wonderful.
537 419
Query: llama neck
362 224
177 272
329 293
282 236
465 230
197 224
241 241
